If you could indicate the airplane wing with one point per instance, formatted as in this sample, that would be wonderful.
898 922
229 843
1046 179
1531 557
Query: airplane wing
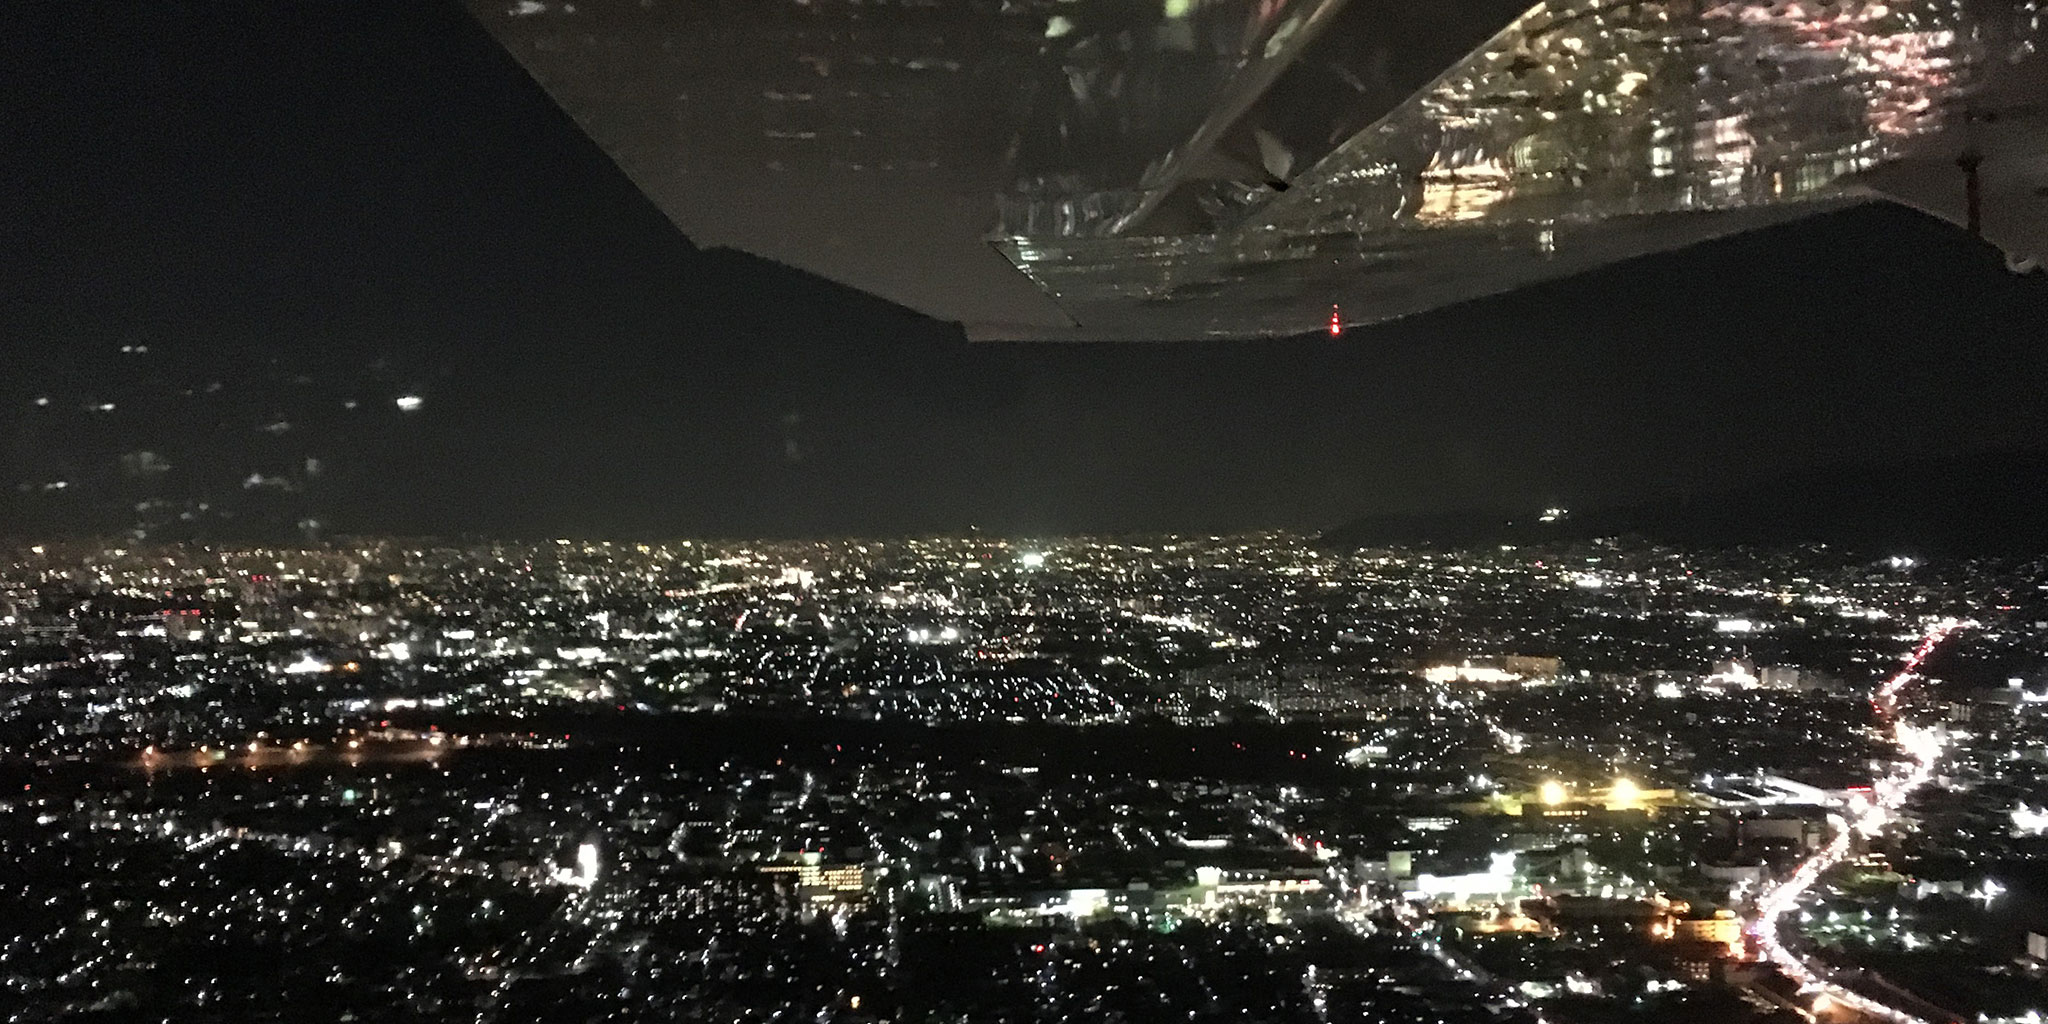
1985 166
1184 169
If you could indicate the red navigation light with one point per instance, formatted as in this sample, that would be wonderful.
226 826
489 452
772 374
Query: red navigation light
1336 321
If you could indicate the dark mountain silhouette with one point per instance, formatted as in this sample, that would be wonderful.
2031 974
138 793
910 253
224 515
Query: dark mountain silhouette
240 232
1984 503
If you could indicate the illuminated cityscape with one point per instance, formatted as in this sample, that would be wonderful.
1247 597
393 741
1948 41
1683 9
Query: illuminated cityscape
531 511
975 778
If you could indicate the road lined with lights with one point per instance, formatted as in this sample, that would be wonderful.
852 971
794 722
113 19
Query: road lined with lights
1923 747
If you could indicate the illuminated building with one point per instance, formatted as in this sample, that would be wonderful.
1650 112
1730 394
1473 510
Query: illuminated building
1553 798
583 874
1533 666
819 882
1495 671
1233 168
1720 928
1735 673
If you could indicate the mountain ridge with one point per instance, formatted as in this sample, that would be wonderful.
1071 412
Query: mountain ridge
1982 503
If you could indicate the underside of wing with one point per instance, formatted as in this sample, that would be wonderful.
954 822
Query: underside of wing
1183 169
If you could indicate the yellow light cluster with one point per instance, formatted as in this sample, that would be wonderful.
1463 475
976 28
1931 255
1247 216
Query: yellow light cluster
1623 792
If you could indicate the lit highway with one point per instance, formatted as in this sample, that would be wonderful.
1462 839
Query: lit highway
1923 747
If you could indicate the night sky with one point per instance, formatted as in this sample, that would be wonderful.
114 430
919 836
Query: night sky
303 211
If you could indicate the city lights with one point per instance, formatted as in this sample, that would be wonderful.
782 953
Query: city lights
1171 756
